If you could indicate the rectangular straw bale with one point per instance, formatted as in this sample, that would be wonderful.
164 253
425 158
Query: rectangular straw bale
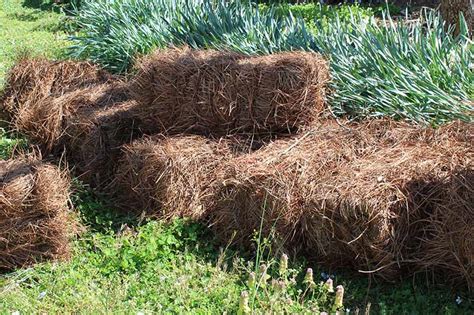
345 195
35 223
41 96
169 176
74 106
218 93
33 79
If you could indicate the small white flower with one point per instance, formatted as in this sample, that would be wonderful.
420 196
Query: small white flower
329 285
458 300
41 295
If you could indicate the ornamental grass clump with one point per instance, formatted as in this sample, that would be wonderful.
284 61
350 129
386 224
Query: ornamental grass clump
415 71
114 32
239 26
132 27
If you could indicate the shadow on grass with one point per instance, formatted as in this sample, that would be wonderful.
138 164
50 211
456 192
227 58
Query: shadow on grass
51 5
43 5
98 214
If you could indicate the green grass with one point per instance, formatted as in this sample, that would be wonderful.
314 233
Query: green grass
28 30
122 265
10 143
150 267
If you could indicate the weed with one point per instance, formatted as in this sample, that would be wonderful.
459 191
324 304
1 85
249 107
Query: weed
10 143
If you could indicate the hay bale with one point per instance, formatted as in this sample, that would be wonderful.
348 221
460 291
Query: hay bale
169 177
344 194
219 93
74 106
88 125
94 139
35 223
444 229
45 122
31 80
41 96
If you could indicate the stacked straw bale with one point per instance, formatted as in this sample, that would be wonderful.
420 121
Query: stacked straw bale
77 107
30 81
219 93
170 176
378 196
381 197
355 196
40 96
72 106
35 223
95 138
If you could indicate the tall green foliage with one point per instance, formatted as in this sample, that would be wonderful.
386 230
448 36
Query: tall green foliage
415 71
113 32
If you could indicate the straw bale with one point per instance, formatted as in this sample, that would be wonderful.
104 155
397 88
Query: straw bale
218 93
170 176
35 223
344 194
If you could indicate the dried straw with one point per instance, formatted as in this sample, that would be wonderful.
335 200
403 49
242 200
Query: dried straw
94 140
32 80
346 195
444 229
219 93
170 176
35 223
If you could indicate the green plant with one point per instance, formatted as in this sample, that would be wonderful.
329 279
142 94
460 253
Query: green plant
414 71
8 144
417 71
313 13
239 26
112 33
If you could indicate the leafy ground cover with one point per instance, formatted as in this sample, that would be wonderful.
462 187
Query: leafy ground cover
123 265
